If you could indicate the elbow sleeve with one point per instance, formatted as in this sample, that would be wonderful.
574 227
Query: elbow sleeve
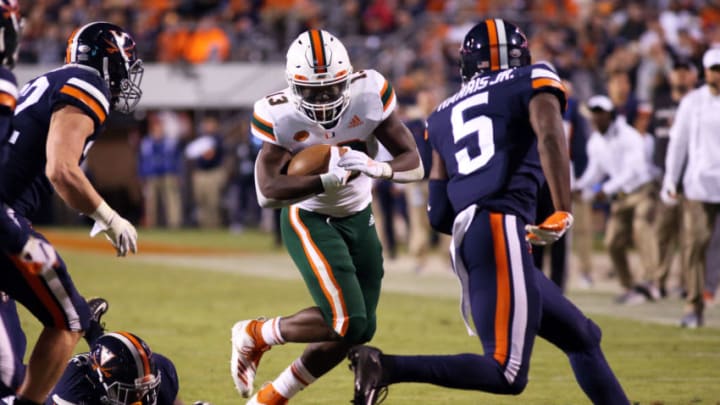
440 211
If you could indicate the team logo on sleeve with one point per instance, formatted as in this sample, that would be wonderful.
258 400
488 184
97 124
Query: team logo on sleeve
355 122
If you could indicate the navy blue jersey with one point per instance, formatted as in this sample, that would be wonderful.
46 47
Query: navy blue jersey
79 384
23 184
483 135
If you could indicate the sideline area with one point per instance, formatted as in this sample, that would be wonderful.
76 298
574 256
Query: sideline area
436 278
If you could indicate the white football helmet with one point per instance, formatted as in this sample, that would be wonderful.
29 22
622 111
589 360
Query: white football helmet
318 72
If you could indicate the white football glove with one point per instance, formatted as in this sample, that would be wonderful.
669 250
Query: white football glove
39 254
118 230
354 160
552 229
336 176
668 195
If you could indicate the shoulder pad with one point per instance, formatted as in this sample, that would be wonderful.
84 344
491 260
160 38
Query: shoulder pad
85 90
370 81
262 123
544 79
543 74
8 89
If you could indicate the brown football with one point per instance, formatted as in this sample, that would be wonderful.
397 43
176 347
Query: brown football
311 160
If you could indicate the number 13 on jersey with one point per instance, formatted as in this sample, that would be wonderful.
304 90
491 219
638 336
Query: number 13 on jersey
466 121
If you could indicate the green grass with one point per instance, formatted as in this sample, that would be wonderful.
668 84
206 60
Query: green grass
186 313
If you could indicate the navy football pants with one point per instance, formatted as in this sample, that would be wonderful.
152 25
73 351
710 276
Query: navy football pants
51 297
512 302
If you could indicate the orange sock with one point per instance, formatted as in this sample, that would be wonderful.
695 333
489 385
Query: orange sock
255 329
269 396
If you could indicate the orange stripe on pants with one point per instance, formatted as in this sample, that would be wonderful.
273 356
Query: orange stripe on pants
30 273
502 307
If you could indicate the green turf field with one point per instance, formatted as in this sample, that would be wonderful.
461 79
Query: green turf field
183 305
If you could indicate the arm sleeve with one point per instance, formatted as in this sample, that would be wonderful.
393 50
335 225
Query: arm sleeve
440 211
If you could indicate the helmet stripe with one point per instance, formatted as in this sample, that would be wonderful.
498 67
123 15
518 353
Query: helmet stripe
70 52
138 351
318 51
493 38
502 43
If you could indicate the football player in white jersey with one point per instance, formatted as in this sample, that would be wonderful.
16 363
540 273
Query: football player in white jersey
327 224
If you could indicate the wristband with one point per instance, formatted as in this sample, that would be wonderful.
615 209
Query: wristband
103 213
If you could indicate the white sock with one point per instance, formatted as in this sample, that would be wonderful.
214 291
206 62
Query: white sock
293 379
271 332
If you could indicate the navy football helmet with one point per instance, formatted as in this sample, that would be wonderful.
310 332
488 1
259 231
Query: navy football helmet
124 366
111 51
10 30
492 45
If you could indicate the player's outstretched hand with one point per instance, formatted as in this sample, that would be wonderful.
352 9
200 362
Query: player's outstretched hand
118 230
354 160
336 176
40 255
552 229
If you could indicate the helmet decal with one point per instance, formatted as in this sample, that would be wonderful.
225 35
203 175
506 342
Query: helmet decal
120 38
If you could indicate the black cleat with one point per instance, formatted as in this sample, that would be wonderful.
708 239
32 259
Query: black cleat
98 308
369 386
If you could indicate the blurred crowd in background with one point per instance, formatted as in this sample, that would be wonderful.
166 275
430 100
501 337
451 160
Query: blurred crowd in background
194 168
413 42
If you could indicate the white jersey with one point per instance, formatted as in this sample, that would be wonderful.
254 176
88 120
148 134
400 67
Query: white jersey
277 120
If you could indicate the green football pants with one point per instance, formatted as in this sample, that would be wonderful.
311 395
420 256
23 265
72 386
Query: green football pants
341 261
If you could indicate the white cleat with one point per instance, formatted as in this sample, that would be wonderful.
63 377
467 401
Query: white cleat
245 356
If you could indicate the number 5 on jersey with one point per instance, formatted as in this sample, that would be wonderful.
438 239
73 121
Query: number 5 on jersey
466 121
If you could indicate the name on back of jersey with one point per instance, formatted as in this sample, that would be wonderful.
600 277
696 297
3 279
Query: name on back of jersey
476 84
